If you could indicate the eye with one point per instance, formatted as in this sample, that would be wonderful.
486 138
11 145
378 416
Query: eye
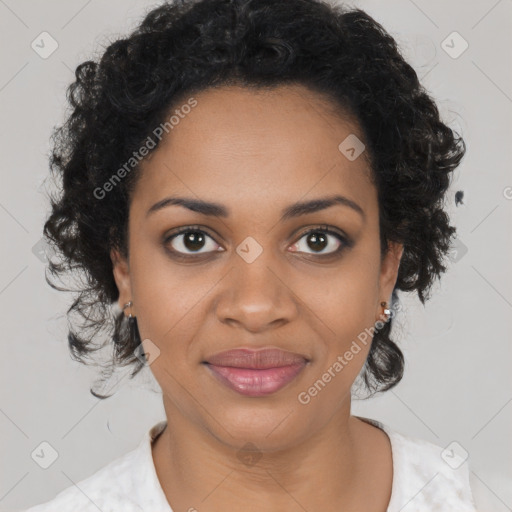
191 239
319 239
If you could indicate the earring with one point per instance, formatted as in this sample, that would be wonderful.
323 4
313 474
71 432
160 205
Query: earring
387 311
132 326
128 305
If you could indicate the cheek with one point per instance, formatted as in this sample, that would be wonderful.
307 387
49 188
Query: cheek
346 296
168 299
345 305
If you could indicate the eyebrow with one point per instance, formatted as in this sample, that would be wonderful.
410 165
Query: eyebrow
291 211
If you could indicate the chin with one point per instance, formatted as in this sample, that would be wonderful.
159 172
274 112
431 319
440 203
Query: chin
268 428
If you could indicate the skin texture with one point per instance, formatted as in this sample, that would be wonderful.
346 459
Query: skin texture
256 153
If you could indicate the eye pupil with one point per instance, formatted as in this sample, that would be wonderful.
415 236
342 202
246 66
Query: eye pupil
193 240
315 237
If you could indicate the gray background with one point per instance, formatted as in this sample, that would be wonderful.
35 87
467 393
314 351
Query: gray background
457 385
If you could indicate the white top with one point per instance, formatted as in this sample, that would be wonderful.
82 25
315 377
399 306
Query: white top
422 481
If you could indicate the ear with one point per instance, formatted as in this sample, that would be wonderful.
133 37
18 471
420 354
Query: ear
121 270
389 273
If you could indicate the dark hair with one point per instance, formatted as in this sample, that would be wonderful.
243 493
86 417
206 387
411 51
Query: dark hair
184 47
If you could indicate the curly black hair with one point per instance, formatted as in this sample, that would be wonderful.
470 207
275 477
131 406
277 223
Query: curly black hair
184 47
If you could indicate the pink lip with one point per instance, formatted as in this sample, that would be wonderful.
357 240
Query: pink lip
253 372
255 359
256 382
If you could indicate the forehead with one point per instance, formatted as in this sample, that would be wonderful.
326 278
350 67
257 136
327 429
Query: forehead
248 146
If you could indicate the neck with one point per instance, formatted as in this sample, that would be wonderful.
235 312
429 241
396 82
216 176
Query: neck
198 470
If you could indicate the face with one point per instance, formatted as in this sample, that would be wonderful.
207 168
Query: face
257 274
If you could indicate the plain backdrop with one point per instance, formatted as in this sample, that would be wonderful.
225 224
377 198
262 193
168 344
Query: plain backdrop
457 385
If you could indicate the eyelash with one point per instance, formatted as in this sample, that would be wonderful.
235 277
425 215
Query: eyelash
345 241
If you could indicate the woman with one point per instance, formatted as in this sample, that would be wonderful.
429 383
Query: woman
252 182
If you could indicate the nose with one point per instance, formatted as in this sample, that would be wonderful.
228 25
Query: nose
256 297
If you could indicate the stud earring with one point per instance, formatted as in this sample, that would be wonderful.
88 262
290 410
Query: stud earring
387 311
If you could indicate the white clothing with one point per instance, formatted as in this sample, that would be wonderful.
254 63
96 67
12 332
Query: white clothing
422 481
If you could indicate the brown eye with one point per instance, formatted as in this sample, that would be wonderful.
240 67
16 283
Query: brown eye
321 241
190 242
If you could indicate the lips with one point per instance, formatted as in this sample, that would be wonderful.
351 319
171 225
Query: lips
256 359
256 373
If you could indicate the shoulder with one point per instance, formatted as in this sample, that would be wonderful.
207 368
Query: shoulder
107 489
427 477
125 484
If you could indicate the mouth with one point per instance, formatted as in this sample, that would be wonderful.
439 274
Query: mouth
256 373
